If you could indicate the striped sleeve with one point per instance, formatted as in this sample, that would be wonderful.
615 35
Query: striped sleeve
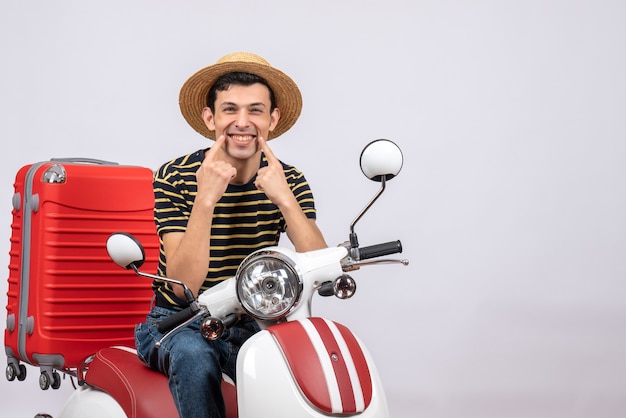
175 188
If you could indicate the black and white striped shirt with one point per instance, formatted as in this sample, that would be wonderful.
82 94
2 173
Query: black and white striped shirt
244 219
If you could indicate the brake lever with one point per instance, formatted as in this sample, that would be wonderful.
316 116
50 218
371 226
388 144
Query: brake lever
404 262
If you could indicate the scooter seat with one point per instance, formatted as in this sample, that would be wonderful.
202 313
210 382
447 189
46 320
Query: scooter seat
140 391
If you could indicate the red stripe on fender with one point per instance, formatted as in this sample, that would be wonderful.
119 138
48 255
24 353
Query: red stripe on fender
339 365
303 362
360 363
324 367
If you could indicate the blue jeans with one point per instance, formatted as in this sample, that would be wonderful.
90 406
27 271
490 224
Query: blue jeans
193 365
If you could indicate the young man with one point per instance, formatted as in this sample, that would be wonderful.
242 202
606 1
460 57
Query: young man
217 205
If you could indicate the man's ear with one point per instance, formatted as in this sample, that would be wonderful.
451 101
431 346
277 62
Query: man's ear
207 117
274 118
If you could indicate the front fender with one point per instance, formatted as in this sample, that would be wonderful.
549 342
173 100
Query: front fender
312 368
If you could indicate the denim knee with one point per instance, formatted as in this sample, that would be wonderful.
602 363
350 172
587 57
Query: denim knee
147 335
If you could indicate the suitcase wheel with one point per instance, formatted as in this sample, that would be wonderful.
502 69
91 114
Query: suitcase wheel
47 380
12 372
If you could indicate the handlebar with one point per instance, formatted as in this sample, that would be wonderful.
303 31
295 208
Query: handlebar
378 250
176 319
364 253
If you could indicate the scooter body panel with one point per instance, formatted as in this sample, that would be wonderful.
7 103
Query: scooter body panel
268 385
87 401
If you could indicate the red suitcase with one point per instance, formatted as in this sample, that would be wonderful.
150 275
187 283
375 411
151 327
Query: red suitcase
66 298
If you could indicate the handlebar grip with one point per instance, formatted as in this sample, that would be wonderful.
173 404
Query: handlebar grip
378 250
176 319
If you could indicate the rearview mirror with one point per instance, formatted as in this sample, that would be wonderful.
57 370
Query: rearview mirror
380 159
125 250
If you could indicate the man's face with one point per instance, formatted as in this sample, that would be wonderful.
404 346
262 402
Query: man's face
242 114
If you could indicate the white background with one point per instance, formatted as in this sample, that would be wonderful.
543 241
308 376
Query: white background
511 205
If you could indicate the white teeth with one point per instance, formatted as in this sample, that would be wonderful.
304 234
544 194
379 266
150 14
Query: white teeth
242 138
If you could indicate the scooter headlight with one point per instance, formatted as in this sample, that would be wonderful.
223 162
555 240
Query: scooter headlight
268 285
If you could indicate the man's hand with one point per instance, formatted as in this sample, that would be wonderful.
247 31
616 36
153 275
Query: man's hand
271 179
214 175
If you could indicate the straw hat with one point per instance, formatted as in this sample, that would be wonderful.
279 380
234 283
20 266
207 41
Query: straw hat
193 94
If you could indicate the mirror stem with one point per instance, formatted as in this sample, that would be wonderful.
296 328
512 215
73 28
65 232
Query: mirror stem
354 242
188 294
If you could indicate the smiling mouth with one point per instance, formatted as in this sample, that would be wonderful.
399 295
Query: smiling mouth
243 138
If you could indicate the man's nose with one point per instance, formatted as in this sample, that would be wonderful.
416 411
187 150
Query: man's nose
242 121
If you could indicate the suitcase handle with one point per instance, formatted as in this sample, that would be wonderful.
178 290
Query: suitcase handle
84 160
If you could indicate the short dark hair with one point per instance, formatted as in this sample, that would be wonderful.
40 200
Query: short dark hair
238 79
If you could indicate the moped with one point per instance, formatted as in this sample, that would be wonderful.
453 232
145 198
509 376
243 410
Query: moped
298 365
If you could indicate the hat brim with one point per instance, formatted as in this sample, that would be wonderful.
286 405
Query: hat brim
193 94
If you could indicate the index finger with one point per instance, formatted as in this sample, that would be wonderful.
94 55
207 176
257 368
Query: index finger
269 154
219 144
